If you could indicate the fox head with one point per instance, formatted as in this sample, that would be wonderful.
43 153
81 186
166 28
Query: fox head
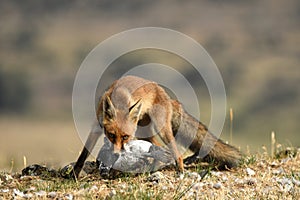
119 124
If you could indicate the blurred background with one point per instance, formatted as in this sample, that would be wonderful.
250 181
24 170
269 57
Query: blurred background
254 43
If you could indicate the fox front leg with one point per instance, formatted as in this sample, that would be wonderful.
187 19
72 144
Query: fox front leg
93 137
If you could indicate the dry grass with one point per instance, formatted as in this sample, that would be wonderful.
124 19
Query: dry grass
50 142
54 143
259 177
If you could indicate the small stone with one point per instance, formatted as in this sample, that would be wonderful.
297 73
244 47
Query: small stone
217 174
281 181
123 186
217 185
278 171
181 176
194 175
18 193
274 164
32 188
121 191
40 193
38 170
51 195
156 177
90 167
93 188
250 172
251 181
67 171
239 181
4 190
288 187
28 196
203 173
198 186
296 182
112 193
68 196
285 160
286 181
164 187
267 190
224 178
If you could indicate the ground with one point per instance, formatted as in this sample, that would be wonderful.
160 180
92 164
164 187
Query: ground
259 177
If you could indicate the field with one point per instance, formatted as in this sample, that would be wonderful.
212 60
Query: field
259 177
255 45
41 141
54 141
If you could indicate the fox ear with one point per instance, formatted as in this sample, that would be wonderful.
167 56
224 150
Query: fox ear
135 111
109 112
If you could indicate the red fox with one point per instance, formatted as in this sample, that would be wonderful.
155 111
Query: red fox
133 107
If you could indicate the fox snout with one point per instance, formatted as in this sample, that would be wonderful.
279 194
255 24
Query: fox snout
117 147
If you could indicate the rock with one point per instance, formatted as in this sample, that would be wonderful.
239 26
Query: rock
198 186
67 171
296 182
250 172
52 195
274 164
194 175
217 185
224 178
90 167
18 193
164 187
112 193
216 173
156 177
41 193
251 181
284 181
181 176
68 196
285 184
278 171
4 190
94 188
31 189
38 170
203 173
28 196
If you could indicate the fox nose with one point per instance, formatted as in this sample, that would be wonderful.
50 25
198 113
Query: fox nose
117 148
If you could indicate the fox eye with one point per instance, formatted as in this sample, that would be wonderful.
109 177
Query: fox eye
111 135
125 137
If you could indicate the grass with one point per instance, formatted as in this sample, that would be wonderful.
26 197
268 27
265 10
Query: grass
43 141
260 176
277 173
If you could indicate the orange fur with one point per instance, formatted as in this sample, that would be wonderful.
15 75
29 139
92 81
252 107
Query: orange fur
137 108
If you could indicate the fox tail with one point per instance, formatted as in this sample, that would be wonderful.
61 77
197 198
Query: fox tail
205 146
